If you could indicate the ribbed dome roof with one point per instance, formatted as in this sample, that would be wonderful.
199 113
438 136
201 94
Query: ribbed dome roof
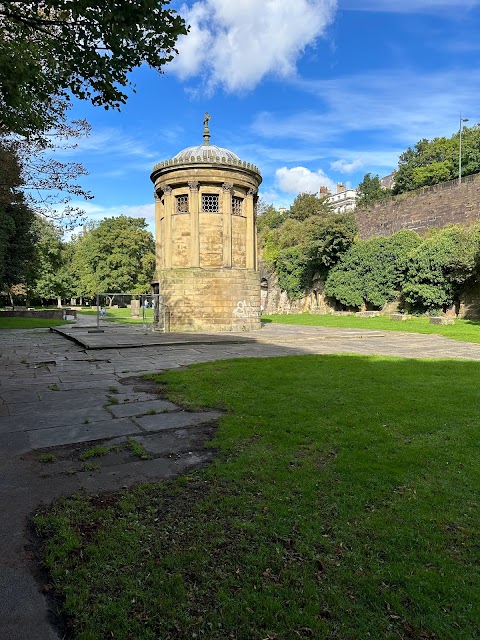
205 151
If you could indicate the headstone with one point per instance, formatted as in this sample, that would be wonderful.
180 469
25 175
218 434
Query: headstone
135 308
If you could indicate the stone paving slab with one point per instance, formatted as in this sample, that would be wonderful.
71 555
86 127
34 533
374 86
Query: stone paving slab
141 408
22 600
129 336
162 421
70 434
36 420
179 440
120 336
121 476
55 402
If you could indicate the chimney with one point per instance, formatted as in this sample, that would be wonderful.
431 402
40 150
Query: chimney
324 191
340 187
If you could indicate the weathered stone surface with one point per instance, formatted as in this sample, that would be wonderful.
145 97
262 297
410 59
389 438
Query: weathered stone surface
174 440
368 314
441 320
141 408
124 475
21 599
431 207
69 434
215 300
36 419
206 253
399 316
163 421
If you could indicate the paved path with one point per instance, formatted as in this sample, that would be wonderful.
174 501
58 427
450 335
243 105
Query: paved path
57 397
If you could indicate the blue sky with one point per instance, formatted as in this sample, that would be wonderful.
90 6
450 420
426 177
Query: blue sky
313 92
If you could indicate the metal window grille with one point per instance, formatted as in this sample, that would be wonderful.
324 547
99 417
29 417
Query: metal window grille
182 204
210 202
237 206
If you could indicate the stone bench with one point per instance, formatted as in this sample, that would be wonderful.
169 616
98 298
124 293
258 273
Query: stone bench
441 320
400 316
368 314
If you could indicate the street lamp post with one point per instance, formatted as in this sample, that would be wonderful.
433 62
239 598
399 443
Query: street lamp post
462 120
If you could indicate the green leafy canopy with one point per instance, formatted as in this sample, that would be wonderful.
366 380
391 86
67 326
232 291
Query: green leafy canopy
52 49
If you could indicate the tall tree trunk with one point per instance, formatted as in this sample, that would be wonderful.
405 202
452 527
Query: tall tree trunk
59 302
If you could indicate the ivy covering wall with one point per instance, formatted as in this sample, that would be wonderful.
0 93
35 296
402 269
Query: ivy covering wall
426 274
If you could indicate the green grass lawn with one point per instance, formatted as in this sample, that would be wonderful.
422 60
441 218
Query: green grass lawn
121 315
343 504
465 330
29 323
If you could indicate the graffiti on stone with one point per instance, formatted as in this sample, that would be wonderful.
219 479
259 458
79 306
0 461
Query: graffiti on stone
245 310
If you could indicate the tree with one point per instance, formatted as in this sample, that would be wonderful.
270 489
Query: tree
308 204
370 191
117 255
298 250
371 271
49 184
50 49
432 161
329 237
439 268
269 218
16 221
52 277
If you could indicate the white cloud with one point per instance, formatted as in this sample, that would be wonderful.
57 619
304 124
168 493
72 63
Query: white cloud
302 180
235 43
109 141
343 166
388 108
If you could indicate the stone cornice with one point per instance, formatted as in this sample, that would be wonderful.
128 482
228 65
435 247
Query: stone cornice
199 160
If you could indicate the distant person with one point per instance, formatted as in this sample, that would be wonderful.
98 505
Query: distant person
103 312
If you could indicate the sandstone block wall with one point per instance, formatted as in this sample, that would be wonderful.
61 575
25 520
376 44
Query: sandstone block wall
211 300
431 207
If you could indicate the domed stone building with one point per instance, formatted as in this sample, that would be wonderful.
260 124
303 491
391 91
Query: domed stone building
206 245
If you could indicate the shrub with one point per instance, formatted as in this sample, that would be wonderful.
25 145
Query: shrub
371 271
438 269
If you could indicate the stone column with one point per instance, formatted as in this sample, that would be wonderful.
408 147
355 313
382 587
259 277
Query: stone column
255 245
194 208
227 224
167 244
158 232
250 239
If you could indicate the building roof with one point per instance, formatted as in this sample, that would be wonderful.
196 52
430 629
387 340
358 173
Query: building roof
205 152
